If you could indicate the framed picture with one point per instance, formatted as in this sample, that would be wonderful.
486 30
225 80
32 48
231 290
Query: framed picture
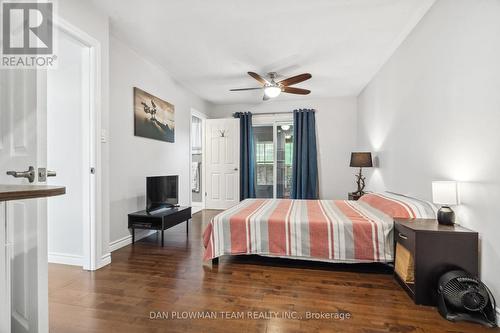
153 117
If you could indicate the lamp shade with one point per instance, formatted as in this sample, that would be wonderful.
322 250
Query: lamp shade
445 192
361 160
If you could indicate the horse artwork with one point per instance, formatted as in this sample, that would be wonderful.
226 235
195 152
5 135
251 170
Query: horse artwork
154 118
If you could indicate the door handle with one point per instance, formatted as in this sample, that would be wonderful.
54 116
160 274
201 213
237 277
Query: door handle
43 173
30 174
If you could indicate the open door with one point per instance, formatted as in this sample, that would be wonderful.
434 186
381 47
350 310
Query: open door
222 163
22 152
29 118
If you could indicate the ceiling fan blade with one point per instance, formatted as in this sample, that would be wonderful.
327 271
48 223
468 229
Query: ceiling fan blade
299 91
242 89
295 79
258 78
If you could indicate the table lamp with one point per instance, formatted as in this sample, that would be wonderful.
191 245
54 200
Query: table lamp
361 160
445 193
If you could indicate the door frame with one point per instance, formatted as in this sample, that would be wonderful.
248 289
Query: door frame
203 117
92 230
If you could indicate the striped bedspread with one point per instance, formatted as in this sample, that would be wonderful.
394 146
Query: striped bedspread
325 230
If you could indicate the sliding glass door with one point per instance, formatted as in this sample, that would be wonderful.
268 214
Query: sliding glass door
284 157
273 159
264 161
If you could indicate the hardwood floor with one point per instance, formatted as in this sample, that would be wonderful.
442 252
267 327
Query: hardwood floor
146 278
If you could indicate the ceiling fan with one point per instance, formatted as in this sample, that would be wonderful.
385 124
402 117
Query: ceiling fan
273 89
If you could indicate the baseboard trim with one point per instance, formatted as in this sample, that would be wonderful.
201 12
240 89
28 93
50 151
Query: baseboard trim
127 240
105 260
195 209
65 259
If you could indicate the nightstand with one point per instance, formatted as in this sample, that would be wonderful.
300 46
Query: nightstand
430 250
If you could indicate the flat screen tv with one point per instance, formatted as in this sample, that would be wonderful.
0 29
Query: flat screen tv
162 192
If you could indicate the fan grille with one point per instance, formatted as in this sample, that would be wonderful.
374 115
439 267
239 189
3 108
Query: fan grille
467 293
473 301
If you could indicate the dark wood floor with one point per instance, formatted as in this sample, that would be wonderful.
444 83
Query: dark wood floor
146 278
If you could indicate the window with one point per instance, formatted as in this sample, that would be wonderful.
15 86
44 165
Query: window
265 152
273 159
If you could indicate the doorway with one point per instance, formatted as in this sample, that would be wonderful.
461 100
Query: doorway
197 161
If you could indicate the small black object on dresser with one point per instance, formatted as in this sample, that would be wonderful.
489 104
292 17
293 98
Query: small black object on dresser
433 249
159 220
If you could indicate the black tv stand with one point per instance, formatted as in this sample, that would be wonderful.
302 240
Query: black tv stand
160 220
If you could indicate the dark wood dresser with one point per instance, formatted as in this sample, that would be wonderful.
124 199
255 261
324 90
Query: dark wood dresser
434 249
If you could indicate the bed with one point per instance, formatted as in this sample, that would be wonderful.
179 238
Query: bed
337 231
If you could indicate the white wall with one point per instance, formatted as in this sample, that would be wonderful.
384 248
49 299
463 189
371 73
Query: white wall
433 113
133 158
65 150
336 137
83 15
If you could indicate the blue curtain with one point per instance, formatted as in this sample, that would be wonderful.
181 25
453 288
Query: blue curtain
247 156
305 156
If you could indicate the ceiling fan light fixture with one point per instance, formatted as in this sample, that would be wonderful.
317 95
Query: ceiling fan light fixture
272 91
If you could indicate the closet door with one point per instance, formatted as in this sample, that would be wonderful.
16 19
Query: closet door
222 163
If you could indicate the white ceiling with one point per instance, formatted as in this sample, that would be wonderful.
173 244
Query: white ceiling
209 45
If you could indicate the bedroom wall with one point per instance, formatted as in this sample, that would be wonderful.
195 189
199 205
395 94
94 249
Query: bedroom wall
336 120
133 158
433 113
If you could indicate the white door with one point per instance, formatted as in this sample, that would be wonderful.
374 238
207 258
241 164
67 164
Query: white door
222 163
68 152
22 144
4 274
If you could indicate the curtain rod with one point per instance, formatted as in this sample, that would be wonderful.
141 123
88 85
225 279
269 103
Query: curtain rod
254 114
268 113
